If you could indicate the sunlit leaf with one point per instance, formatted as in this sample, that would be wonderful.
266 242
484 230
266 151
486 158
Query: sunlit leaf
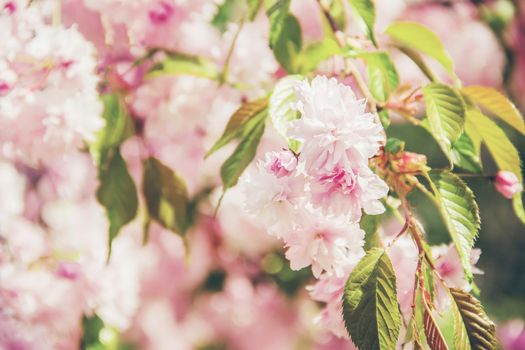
370 308
497 104
461 341
182 64
481 331
281 109
418 37
234 166
365 13
460 212
316 53
166 196
446 114
245 118
117 192
505 154
382 74
118 127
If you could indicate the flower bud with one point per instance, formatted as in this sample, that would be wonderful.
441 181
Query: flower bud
281 163
508 184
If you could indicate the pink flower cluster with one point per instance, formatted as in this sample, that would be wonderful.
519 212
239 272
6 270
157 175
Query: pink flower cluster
48 85
314 200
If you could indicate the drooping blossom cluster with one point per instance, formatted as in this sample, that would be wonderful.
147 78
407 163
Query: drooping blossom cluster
48 85
218 287
314 199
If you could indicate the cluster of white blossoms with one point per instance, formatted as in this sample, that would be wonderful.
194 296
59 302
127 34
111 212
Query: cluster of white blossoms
48 85
314 200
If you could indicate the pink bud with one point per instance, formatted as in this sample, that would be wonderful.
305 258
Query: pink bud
10 7
281 163
508 184
160 12
4 88
68 270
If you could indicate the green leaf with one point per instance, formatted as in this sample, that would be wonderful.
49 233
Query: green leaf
517 204
460 212
497 104
281 108
117 193
288 45
466 155
418 37
182 64
118 127
370 308
382 74
446 114
253 8
433 334
317 53
228 11
338 13
277 12
234 11
245 118
166 196
394 145
435 338
502 150
234 166
370 224
461 341
506 156
365 12
481 331
384 117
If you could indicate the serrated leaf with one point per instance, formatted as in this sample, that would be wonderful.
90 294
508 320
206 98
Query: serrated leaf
166 196
481 331
182 64
382 74
460 212
497 104
117 192
502 150
446 114
461 341
506 156
370 308
435 338
365 12
234 166
418 37
280 108
466 155
316 53
118 127
245 118
288 44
